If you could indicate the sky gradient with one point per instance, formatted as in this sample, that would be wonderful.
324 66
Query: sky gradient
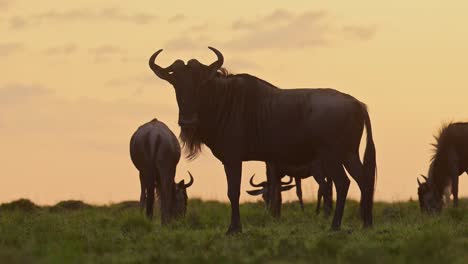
74 83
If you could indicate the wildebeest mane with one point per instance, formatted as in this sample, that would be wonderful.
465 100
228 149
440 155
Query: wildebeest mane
226 95
439 176
223 72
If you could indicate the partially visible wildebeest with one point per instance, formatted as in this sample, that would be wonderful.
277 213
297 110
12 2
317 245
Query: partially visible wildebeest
263 191
155 152
241 118
299 173
448 163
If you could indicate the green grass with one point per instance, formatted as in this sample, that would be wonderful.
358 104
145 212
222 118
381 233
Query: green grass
73 232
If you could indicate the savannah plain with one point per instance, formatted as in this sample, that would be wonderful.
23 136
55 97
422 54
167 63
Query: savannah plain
74 232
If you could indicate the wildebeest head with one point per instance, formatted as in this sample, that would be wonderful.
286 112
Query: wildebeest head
264 188
428 200
187 80
180 206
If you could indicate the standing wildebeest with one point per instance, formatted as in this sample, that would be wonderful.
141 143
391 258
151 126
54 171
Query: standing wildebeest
241 118
155 152
299 173
448 163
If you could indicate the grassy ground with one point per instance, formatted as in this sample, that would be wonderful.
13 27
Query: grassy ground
73 232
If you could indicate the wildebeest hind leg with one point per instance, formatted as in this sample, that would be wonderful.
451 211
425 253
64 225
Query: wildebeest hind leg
336 171
355 168
149 185
142 192
455 190
319 198
299 192
234 173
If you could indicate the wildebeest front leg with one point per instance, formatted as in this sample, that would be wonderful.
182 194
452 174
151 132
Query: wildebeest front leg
274 177
234 174
336 171
328 197
299 191
455 190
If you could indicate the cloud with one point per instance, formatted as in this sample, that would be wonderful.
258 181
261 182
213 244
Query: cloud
183 43
145 79
177 18
81 15
277 16
4 4
360 32
241 65
199 27
20 93
282 29
105 53
65 49
8 48
18 22
37 111
138 85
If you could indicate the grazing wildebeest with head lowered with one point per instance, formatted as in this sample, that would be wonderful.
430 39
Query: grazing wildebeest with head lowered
241 118
448 163
155 152
299 173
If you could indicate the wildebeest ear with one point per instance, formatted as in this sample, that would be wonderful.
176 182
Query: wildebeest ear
425 178
287 187
255 192
181 184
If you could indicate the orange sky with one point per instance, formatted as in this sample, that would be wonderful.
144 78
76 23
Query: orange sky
75 84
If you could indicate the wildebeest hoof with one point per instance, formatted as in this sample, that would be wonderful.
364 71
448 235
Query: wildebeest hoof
234 230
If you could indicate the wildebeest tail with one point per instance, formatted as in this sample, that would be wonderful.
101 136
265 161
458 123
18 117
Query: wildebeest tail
164 186
370 165
369 171
152 173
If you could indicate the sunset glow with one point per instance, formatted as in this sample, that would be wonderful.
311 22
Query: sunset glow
75 84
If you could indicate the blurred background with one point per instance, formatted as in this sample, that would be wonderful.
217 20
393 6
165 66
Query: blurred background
75 85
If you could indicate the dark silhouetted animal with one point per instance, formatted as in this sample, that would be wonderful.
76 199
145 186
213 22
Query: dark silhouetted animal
242 118
299 173
155 152
263 191
448 163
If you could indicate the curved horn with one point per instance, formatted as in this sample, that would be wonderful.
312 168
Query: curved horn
262 184
425 178
288 182
162 73
419 183
214 67
191 180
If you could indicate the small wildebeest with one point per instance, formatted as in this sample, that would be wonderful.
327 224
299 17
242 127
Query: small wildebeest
155 152
448 163
243 118
299 173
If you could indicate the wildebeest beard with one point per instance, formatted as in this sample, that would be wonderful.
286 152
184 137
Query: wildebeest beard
190 136
191 142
